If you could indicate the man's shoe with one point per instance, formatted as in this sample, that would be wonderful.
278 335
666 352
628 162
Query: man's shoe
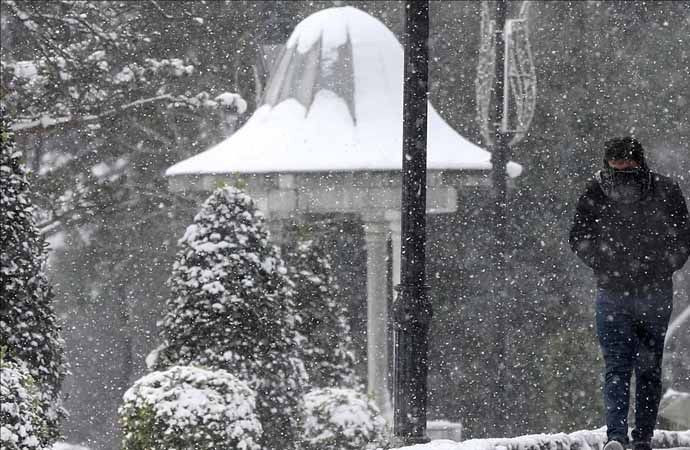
614 445
642 446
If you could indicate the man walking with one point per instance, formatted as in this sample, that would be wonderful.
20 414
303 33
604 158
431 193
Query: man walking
631 228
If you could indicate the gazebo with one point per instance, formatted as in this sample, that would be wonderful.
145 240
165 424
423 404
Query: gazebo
328 139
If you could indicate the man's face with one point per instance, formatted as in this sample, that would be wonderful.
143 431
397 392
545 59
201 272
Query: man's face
623 164
627 181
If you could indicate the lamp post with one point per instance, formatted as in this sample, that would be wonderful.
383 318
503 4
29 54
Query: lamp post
499 159
412 311
506 98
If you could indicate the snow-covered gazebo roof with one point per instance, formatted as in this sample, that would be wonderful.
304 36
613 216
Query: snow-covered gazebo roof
334 103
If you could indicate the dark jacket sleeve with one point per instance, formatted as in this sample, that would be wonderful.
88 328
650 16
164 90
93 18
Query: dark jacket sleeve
585 233
679 240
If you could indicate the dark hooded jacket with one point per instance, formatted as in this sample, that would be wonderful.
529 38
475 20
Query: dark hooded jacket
632 245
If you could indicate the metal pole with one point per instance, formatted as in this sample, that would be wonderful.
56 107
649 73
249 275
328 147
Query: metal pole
412 310
499 160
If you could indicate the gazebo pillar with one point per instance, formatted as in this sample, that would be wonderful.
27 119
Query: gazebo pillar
394 224
376 231
275 228
378 228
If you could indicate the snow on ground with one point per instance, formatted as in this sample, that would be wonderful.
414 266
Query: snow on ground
580 440
521 443
66 446
675 406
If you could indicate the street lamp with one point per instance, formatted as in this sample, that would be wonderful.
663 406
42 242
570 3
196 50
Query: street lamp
506 98
412 311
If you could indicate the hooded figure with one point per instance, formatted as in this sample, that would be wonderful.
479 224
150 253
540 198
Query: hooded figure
631 228
631 224
625 185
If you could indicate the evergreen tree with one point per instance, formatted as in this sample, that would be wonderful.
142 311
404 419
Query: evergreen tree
328 353
28 327
122 92
21 416
232 308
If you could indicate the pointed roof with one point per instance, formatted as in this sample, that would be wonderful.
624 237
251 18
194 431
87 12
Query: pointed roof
334 103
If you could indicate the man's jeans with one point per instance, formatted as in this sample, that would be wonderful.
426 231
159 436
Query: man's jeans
631 327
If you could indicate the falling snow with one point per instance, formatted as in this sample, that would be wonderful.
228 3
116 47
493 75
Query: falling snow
202 230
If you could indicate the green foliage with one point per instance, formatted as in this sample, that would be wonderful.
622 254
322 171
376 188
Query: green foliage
22 416
28 327
341 419
232 308
140 428
189 407
328 352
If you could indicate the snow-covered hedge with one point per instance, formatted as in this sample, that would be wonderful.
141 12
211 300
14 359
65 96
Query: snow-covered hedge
341 419
28 327
232 308
68 446
328 353
189 407
20 413
29 333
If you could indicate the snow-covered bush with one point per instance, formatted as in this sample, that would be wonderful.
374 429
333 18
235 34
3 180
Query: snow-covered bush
328 352
28 327
68 446
341 419
189 407
232 308
21 417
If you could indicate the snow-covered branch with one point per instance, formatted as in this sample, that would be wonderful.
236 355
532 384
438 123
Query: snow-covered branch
48 121
227 100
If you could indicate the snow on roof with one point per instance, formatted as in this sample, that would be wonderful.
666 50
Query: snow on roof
334 103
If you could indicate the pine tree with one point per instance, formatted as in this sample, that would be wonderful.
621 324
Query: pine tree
328 352
28 326
232 308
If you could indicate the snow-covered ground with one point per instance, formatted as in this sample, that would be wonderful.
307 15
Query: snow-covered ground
66 446
579 440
